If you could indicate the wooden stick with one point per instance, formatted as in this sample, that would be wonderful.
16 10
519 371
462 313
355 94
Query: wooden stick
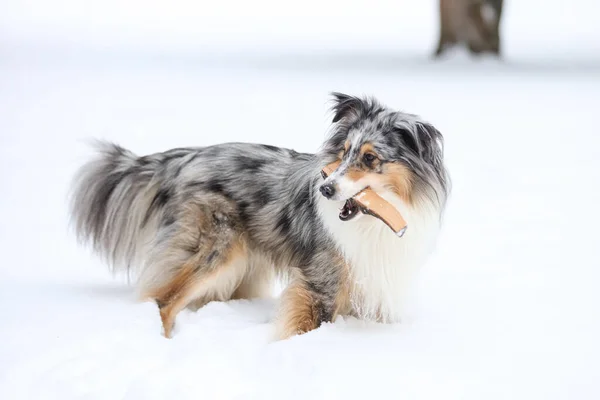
373 204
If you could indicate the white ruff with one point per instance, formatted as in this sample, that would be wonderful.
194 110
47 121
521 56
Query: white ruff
382 265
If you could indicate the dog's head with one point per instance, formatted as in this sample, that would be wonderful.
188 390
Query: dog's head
381 148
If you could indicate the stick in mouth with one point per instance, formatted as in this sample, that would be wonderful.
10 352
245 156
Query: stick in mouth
370 203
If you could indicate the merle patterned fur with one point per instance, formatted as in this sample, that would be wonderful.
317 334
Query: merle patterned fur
128 206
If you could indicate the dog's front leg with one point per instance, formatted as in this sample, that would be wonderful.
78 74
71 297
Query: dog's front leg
316 294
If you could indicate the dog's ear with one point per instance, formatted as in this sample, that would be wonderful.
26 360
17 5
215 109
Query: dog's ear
345 105
409 135
432 141
422 138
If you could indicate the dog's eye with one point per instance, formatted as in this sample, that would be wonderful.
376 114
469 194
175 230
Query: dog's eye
368 158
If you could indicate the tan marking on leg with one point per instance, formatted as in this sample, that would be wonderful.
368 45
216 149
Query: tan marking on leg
343 296
222 287
191 282
296 315
175 295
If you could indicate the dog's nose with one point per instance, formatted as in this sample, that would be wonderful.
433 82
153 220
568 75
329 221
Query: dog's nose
327 190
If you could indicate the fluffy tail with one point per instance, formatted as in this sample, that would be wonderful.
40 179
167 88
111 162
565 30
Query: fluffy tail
115 205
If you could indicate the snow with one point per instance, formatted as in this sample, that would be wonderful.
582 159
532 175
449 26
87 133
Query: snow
507 306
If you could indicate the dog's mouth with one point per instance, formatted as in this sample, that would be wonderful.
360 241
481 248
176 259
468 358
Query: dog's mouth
350 210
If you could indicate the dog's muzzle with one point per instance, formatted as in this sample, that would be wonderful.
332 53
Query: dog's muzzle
350 210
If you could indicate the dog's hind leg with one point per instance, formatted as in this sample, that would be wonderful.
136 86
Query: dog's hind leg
202 257
201 281
259 281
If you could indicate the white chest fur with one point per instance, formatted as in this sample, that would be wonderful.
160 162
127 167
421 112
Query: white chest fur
382 265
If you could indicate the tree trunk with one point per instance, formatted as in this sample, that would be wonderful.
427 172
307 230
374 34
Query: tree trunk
472 23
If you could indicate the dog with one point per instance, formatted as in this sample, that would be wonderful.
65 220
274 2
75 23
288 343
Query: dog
222 222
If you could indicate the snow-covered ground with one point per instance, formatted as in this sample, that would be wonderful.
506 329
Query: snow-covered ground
507 307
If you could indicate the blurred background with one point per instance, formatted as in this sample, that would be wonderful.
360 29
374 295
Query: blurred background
398 29
169 55
509 298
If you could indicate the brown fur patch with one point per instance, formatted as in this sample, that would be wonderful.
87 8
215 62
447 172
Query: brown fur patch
299 312
367 148
343 295
296 315
399 179
355 174
190 281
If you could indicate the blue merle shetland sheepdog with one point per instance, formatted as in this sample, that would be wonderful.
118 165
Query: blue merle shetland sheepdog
223 222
